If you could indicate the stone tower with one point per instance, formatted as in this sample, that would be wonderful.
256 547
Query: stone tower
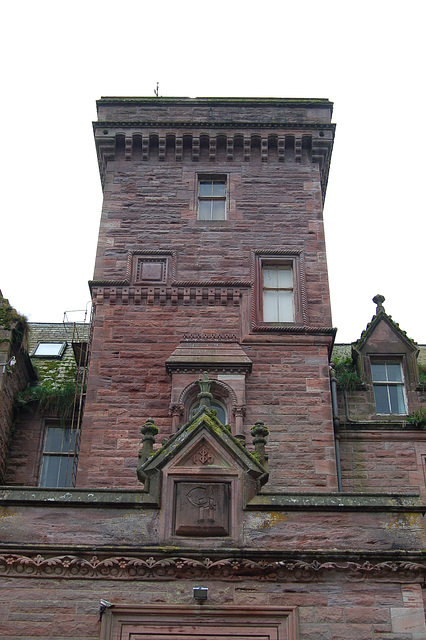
265 500
211 257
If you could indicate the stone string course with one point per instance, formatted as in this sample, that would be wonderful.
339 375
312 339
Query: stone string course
175 568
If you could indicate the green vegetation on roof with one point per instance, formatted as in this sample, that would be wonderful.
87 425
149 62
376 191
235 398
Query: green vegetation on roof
347 375
11 320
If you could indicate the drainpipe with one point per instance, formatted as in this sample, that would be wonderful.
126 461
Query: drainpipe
336 423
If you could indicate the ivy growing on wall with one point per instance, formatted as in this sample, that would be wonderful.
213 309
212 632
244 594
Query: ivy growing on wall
347 375
54 391
59 400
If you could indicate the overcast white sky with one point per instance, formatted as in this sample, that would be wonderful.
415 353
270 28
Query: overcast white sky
367 57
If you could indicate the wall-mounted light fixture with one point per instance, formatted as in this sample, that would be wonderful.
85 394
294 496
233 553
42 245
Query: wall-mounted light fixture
103 606
200 593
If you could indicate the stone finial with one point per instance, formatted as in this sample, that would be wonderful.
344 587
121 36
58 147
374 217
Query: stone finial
379 300
259 433
149 431
205 397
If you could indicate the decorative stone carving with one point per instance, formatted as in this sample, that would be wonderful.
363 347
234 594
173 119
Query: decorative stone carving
259 433
203 456
379 300
149 431
251 567
239 412
202 509
176 411
205 397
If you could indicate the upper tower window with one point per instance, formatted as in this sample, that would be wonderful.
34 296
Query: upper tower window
278 299
388 385
212 199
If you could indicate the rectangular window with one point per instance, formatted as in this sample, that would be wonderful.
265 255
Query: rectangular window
388 385
278 298
50 349
59 457
212 199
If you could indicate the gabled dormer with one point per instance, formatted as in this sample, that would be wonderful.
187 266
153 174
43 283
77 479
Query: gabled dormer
387 362
201 479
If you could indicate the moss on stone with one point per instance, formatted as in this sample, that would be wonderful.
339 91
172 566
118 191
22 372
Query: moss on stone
11 320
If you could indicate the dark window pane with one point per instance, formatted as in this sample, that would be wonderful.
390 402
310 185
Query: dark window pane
50 471
219 189
54 439
221 414
378 372
68 442
206 188
381 398
394 372
73 439
204 210
65 470
218 209
396 395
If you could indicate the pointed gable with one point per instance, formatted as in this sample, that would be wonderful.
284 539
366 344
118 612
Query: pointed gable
383 335
222 451
384 342
201 479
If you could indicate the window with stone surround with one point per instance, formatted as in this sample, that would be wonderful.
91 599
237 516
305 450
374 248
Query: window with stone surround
278 293
58 466
278 298
212 197
388 387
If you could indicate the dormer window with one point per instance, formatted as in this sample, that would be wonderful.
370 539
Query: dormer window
388 386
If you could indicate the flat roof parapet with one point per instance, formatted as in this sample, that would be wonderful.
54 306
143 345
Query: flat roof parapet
232 111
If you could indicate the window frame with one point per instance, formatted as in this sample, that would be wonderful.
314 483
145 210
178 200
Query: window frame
218 178
292 258
276 267
377 360
57 356
61 454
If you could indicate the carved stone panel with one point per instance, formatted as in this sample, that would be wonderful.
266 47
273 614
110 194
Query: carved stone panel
202 509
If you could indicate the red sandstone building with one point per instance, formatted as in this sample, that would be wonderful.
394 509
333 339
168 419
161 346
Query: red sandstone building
266 501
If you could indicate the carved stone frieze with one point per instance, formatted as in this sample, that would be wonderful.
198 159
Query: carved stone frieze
152 567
